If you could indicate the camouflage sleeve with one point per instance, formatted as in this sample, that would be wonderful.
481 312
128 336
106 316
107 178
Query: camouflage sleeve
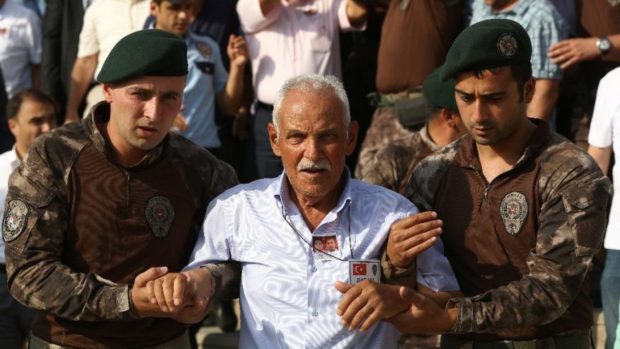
575 197
385 166
34 227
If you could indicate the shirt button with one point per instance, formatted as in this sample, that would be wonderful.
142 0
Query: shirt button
315 313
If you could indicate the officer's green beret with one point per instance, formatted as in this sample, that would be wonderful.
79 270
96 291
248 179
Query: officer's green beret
438 93
146 52
488 44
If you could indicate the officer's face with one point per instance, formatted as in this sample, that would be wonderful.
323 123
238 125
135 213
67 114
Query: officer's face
175 18
33 119
141 113
313 142
491 105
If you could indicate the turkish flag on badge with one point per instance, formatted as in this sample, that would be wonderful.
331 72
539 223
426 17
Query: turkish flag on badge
359 269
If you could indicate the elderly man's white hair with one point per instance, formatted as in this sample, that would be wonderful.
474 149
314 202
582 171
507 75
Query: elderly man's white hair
311 83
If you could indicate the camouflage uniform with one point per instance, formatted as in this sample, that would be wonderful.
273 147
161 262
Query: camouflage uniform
390 165
78 229
522 245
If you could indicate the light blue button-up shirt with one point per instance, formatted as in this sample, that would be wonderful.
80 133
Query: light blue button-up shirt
288 298
542 22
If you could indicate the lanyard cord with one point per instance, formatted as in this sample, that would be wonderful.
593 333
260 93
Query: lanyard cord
311 246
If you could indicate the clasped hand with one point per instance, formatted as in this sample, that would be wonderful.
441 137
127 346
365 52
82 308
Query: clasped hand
184 297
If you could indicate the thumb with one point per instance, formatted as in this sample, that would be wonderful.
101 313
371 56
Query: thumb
409 295
342 287
148 275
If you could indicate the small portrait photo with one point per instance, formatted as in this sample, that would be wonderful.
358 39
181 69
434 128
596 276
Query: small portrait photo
324 243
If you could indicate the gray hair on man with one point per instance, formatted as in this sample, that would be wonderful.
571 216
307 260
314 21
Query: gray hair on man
311 83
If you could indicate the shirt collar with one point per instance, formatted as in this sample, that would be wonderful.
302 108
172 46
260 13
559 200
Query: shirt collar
280 190
427 139
97 119
467 155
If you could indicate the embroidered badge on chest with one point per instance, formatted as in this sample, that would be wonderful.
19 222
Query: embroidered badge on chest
204 49
14 220
507 45
513 210
159 215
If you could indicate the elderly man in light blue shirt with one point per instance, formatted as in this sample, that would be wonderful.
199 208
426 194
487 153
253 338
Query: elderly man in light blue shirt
270 226
545 27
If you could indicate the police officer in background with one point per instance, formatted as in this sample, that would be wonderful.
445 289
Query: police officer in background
98 204
523 210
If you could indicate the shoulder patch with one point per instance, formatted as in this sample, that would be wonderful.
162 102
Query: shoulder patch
159 214
14 220
513 210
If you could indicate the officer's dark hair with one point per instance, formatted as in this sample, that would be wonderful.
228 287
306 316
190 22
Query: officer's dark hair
520 72
31 94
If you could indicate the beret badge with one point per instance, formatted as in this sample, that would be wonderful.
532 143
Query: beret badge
507 45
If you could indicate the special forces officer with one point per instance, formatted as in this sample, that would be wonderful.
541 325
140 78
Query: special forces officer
98 202
523 209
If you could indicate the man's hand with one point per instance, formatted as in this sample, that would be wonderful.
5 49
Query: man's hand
411 236
184 296
140 294
424 315
237 50
363 304
572 51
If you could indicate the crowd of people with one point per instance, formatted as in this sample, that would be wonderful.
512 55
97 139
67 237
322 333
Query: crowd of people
408 169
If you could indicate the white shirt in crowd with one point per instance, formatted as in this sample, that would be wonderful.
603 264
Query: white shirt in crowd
108 21
20 45
605 132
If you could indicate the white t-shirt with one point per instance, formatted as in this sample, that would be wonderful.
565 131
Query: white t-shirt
20 45
8 162
108 21
605 132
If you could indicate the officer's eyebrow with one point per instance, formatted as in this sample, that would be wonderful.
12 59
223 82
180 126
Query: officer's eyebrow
496 94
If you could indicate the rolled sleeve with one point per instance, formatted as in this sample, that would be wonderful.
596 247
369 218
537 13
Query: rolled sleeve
88 44
251 16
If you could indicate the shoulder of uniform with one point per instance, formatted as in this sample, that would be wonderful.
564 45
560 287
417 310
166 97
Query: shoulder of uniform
438 161
198 160
565 165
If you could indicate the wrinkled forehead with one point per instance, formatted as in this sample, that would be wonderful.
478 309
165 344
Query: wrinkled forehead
319 107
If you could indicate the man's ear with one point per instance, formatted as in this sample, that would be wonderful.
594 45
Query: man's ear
528 90
352 139
153 8
107 93
13 127
273 138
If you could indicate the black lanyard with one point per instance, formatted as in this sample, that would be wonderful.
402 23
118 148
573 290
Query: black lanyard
310 245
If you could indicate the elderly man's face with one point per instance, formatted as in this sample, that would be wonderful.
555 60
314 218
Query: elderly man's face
142 112
313 142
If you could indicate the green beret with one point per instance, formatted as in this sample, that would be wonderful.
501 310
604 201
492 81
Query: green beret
488 44
149 52
438 93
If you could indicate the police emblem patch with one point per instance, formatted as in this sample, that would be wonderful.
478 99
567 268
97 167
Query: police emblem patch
159 215
507 45
14 220
513 210
204 49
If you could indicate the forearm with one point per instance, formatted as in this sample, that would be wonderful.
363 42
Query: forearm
81 77
356 13
229 100
544 99
226 279
267 6
602 156
52 287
